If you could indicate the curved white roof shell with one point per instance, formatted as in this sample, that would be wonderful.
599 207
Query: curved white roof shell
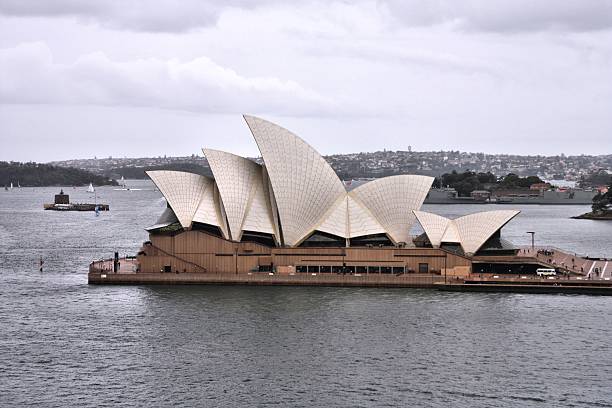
207 212
434 225
391 201
336 222
471 231
182 190
238 180
475 229
361 221
304 185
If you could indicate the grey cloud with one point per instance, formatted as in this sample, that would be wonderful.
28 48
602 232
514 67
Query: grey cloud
479 15
31 76
136 15
504 15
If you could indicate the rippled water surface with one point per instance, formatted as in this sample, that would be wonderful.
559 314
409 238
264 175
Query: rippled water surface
64 343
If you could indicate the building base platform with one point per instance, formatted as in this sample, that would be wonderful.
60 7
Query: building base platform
301 279
424 281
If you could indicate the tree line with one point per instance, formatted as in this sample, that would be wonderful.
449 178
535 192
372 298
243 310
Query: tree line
42 175
468 181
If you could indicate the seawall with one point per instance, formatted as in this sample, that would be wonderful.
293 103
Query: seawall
302 279
488 284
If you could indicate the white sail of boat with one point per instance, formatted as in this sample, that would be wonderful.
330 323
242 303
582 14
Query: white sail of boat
18 185
91 188
11 185
123 186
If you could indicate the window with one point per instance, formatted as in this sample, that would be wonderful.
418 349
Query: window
314 269
385 269
398 270
325 269
361 269
423 268
373 269
301 268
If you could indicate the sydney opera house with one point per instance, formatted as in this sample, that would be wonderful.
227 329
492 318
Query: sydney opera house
292 214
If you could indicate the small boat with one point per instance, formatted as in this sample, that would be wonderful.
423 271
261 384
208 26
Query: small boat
11 185
124 186
91 188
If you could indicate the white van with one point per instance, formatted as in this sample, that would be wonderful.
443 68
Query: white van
545 272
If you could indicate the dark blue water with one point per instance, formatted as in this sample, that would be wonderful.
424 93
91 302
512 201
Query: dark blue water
64 343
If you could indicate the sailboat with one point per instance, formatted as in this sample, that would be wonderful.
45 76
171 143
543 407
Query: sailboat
11 185
124 186
91 188
18 185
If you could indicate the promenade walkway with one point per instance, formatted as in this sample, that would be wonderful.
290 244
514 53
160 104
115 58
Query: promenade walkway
570 262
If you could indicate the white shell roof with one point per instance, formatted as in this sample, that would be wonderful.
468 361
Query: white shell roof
206 212
259 215
182 190
336 222
476 229
391 201
305 187
361 220
471 231
237 179
434 225
451 234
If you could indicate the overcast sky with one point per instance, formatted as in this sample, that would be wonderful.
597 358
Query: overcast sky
82 78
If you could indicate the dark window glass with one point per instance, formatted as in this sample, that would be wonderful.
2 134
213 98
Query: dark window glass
325 269
301 268
423 268
398 269
385 269
361 269
314 269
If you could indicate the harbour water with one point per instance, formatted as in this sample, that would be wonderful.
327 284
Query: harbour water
65 343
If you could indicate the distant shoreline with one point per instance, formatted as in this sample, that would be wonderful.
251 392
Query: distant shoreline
13 174
605 216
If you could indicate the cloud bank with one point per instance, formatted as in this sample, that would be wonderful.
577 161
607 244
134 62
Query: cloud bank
31 76
173 16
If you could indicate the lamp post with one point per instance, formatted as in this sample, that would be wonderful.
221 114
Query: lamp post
532 238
